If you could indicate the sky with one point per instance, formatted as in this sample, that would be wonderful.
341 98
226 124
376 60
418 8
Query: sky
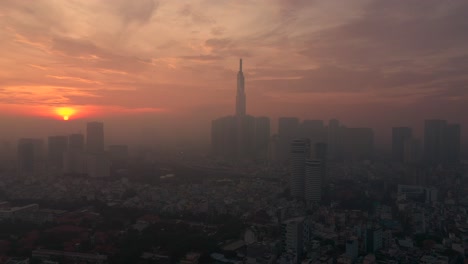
168 67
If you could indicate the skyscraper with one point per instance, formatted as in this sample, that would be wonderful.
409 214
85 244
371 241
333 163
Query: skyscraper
358 143
57 145
399 136
434 140
441 142
453 142
240 137
262 137
74 157
30 156
26 157
335 140
314 175
240 96
95 138
300 152
313 130
288 129
223 137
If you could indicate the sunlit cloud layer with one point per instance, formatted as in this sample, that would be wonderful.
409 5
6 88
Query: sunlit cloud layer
302 57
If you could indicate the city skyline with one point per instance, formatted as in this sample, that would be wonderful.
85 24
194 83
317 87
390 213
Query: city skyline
182 80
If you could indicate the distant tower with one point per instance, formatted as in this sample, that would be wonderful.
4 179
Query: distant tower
95 138
57 146
300 152
240 97
30 155
74 157
314 175
399 136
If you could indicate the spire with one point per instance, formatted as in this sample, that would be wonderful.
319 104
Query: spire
240 65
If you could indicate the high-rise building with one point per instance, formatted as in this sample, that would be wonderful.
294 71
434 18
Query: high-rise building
334 140
240 137
262 137
399 136
453 142
320 153
118 153
26 157
30 156
288 129
57 146
240 95
434 140
352 249
300 152
411 151
314 170
358 143
245 137
373 239
313 130
95 138
441 142
76 142
74 157
293 237
223 137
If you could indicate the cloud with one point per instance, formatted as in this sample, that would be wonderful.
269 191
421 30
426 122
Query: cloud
138 11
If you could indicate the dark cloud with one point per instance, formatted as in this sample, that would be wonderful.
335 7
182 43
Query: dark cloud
194 15
391 30
138 11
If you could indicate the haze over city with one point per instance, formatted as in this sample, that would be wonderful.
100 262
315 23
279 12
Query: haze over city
233 131
169 66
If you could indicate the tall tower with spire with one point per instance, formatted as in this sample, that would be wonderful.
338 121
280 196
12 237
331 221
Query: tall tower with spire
240 96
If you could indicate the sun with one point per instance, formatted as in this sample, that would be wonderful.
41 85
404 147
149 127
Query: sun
65 112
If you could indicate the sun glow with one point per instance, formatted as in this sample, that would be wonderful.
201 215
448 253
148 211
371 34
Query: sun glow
65 112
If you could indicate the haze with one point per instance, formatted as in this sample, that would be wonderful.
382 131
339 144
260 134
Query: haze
163 70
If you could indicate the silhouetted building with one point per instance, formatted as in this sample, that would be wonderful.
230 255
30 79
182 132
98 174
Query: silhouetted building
240 95
118 152
74 157
118 157
292 232
313 130
76 142
97 166
245 137
434 140
95 138
314 175
358 143
320 153
223 137
57 146
26 160
288 129
262 137
300 152
441 142
240 137
412 151
335 140
453 134
373 240
30 156
399 136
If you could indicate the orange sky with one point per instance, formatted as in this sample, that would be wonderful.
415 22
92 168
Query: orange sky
367 62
